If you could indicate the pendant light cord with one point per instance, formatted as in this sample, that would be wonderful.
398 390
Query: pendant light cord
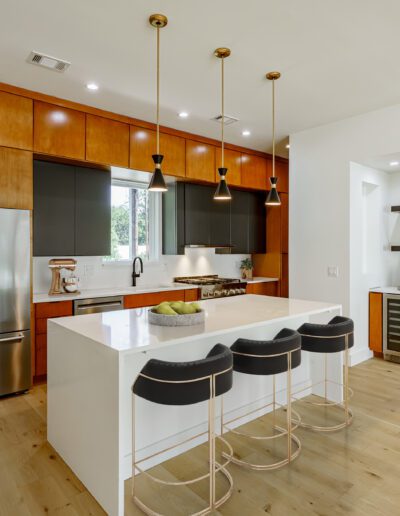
273 128
222 112
158 90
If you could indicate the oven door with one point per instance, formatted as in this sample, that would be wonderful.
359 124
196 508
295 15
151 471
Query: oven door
391 325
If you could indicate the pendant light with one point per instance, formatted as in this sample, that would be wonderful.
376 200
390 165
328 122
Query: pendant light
157 183
222 192
273 198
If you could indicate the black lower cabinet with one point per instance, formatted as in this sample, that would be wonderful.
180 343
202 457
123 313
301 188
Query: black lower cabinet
191 217
71 211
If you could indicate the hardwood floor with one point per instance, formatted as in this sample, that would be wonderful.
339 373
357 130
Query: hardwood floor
351 472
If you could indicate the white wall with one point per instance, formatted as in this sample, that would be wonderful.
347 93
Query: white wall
319 212
94 274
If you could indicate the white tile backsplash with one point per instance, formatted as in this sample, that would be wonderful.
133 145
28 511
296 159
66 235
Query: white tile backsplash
94 273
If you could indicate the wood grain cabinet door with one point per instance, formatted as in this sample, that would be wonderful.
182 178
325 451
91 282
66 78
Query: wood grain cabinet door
284 221
375 322
254 172
107 141
233 162
16 179
58 131
282 173
200 161
143 146
16 121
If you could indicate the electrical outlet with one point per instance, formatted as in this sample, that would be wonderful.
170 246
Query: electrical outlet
333 271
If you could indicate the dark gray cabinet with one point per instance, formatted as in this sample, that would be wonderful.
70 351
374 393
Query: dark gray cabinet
72 210
53 209
191 217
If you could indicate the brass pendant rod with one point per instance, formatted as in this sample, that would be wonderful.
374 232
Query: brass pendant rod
273 128
158 90
222 112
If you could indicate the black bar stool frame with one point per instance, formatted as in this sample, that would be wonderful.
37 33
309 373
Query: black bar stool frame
347 390
288 431
214 466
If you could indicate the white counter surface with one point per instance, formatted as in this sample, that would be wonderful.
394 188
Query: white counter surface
116 291
386 290
261 279
126 291
129 330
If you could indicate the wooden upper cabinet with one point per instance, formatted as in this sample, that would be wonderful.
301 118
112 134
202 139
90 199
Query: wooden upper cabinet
59 131
16 121
282 173
200 161
254 172
143 146
107 141
233 162
16 179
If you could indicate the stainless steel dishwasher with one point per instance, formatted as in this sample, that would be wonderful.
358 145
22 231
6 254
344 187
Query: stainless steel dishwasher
98 304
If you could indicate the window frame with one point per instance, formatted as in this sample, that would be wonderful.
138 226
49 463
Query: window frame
154 223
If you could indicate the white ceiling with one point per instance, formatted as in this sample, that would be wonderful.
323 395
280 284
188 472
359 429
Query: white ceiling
338 58
387 163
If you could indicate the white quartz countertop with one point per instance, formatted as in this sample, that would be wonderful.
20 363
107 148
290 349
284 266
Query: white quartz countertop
260 279
116 291
386 290
126 291
130 331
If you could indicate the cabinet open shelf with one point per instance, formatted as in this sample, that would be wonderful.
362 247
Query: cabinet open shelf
395 248
395 209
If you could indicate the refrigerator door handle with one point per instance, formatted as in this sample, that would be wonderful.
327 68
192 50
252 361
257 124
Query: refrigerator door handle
9 339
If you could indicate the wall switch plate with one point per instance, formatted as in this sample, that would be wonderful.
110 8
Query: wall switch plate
333 271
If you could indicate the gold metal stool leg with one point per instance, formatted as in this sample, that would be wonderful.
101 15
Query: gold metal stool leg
288 431
214 466
347 394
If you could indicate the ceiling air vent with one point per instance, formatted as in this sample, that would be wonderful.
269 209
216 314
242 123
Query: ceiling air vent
52 63
227 119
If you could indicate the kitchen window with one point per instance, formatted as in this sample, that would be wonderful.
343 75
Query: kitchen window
134 222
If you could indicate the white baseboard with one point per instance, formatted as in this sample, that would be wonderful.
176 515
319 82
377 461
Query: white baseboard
360 355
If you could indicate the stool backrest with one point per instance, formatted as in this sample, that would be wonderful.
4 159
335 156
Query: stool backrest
328 338
185 383
266 357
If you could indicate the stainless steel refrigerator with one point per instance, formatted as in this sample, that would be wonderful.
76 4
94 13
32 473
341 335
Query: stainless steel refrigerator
15 335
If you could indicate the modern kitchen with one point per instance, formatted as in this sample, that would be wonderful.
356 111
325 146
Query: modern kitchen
199 286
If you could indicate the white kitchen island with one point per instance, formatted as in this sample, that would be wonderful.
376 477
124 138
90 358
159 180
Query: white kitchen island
94 359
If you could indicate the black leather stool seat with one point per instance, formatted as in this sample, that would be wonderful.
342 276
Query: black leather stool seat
285 341
327 338
159 387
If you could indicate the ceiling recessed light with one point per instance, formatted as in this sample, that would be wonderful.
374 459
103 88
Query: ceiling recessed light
92 86
246 132
394 163
183 114
288 145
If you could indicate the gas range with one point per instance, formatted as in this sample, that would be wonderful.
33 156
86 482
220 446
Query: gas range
213 286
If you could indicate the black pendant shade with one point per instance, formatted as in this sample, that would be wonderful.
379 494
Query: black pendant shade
222 192
273 198
157 183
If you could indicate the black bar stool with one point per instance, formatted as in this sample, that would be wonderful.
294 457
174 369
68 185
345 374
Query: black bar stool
279 355
186 383
335 337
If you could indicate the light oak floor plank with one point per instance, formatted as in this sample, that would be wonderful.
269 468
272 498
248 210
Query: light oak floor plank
351 472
